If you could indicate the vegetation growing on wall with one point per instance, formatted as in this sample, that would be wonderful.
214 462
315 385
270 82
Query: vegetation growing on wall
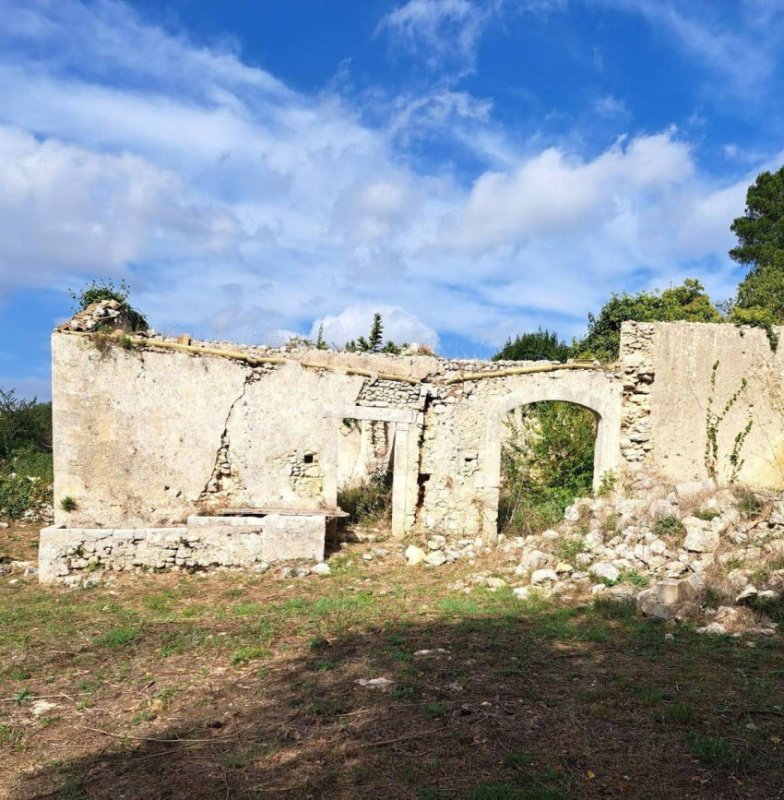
95 292
688 302
546 462
713 421
25 455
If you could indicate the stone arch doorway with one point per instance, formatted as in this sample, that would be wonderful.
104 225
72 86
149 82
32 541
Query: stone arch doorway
603 400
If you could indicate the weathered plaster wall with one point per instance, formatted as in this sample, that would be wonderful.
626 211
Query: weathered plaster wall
667 390
464 427
143 438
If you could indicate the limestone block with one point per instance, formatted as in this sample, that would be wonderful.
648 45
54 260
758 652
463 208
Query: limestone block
701 536
664 599
293 537
53 545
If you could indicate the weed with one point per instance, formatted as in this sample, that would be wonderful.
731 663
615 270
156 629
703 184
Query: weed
669 527
370 502
436 709
569 548
505 791
243 758
22 696
407 692
634 578
716 751
706 514
678 713
9 736
330 707
749 504
245 654
606 483
68 503
610 608
118 637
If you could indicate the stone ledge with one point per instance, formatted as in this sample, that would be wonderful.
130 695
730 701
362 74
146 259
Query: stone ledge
224 542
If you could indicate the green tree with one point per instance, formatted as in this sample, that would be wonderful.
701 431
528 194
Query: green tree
688 302
374 343
541 345
760 233
24 425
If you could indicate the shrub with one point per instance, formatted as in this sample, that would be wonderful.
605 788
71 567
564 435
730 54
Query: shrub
25 483
24 425
370 502
546 462
95 292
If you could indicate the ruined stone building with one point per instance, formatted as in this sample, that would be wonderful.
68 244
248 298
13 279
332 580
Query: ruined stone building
156 439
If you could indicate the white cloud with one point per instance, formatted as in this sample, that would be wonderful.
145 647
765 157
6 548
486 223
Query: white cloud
439 29
609 106
355 321
553 193
242 209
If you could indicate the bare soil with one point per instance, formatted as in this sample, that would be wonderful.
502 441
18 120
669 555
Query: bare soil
238 686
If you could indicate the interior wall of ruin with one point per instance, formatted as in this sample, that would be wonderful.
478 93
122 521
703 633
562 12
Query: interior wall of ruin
677 374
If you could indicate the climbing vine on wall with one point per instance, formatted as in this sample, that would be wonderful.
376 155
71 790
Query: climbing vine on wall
713 421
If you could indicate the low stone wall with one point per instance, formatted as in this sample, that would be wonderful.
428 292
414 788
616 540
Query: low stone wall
204 543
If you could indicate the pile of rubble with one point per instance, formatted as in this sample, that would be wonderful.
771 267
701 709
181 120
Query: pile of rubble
693 553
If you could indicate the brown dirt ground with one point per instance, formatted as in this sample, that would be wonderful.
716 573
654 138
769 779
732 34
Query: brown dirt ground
236 686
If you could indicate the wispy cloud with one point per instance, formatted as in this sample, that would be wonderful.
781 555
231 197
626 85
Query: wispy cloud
741 42
241 208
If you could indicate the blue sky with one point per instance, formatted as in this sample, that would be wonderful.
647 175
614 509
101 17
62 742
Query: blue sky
471 169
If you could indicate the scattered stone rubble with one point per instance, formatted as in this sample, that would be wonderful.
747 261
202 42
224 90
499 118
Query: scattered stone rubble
676 554
104 315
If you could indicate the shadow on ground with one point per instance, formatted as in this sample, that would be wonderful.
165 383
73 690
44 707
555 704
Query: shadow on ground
551 705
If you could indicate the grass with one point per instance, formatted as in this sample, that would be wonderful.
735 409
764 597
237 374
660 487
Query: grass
669 527
256 677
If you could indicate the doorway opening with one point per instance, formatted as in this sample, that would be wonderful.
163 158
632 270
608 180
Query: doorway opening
547 461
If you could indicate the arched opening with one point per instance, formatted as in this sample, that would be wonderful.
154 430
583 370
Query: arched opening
547 461
589 390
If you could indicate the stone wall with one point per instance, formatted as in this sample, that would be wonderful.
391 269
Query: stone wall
146 436
204 543
676 374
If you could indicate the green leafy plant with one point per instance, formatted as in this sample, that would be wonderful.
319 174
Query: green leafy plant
97 291
68 504
369 502
669 526
606 483
713 422
546 462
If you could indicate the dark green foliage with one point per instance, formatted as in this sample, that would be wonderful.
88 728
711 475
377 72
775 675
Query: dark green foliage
546 462
542 345
68 504
688 301
95 292
25 455
374 343
24 424
760 233
369 502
